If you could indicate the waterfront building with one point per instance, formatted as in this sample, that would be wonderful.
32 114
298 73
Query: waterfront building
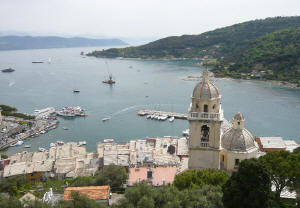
211 145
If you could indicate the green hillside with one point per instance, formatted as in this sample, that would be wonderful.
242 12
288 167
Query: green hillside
213 44
274 56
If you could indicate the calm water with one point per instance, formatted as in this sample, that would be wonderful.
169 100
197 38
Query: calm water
269 111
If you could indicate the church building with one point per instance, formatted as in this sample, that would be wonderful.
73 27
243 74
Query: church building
209 147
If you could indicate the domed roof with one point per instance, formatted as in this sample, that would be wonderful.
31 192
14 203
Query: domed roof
238 140
205 89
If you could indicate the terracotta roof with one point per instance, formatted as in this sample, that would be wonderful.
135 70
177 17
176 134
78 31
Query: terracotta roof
93 192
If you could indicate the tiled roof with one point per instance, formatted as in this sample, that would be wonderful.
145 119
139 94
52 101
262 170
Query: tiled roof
93 192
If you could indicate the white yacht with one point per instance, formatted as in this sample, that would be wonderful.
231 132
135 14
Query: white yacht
171 119
106 119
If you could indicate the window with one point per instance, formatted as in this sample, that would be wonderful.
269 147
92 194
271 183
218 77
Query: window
223 158
239 123
205 108
236 162
214 106
204 133
197 106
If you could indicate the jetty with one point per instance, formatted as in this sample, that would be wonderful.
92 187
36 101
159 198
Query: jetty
146 112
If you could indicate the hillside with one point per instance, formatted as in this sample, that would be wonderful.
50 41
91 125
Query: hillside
274 56
40 42
213 44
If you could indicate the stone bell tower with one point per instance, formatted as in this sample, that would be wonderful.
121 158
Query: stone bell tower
205 118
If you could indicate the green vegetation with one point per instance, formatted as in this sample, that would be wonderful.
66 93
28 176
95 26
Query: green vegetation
274 56
254 177
112 175
146 196
4 156
200 178
269 46
249 187
79 201
12 111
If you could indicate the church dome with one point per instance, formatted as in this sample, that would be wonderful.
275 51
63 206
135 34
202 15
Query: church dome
205 89
238 138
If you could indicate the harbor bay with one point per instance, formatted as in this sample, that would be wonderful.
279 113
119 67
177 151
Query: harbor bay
140 84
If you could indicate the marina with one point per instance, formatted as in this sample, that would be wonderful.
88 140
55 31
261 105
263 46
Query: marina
161 115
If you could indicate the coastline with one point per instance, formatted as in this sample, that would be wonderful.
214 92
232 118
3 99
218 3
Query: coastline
275 83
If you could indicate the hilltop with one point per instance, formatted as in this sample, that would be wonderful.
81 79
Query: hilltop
215 44
42 42
274 56
258 49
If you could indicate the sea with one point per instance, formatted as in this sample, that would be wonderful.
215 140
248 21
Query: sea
140 84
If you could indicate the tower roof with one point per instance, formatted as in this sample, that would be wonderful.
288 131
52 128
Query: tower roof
205 89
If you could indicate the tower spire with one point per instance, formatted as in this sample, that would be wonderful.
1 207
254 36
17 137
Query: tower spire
205 74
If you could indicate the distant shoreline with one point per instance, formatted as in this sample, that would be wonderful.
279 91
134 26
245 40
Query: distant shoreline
268 82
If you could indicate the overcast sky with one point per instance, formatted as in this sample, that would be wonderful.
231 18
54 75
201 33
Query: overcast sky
135 18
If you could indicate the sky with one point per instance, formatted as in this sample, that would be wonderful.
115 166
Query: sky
135 18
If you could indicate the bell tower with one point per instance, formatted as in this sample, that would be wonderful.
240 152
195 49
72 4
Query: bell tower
205 117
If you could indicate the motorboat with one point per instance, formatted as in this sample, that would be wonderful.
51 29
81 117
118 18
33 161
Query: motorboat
60 142
65 128
106 119
52 144
41 149
148 116
186 132
108 140
19 143
81 143
172 119
76 91
37 62
43 132
8 70
27 146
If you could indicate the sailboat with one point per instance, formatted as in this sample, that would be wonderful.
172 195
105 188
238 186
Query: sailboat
110 77
49 60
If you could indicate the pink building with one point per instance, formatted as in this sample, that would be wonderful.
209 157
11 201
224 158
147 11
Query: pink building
156 176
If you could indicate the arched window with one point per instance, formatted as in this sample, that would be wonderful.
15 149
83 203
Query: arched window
205 108
204 133
214 106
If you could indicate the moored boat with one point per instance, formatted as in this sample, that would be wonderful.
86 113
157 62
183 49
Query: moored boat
41 149
8 70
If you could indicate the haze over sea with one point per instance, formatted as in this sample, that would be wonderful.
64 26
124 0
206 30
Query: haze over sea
269 110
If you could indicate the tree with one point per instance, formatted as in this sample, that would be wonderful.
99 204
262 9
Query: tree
192 178
249 187
281 170
113 175
11 202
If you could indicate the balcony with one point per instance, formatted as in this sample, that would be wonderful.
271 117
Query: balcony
204 144
205 116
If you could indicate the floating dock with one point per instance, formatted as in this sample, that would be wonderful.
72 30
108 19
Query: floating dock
145 112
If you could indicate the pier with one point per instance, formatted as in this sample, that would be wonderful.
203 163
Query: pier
145 112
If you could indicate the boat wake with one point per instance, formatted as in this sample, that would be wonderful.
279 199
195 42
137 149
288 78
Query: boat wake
11 83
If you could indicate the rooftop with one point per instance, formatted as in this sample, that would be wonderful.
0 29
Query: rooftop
92 192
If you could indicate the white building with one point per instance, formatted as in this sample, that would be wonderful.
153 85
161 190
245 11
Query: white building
209 146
